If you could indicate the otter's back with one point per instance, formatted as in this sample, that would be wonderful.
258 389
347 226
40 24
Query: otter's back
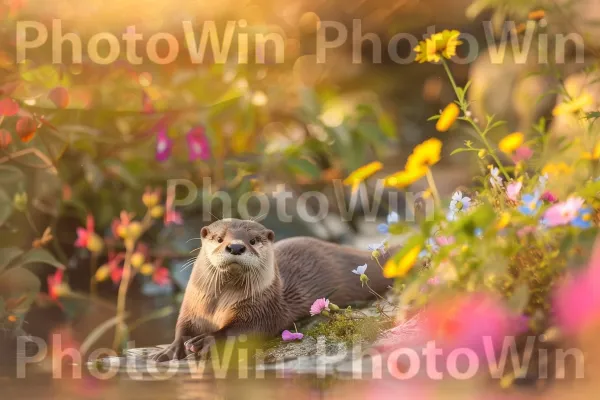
311 268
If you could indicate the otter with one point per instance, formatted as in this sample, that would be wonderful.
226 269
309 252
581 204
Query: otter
243 282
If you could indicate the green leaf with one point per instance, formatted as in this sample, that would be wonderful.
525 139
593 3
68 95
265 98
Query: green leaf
387 126
304 167
10 174
462 150
117 168
8 255
19 282
6 207
39 256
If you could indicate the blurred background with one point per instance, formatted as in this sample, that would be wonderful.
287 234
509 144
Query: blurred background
81 139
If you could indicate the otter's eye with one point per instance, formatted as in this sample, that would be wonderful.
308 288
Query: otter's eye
252 242
220 240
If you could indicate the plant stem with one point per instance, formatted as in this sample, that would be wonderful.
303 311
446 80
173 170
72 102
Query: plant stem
93 264
434 191
122 296
464 108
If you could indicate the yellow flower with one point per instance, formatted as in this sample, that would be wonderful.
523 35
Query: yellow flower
406 178
150 198
393 269
442 44
157 211
511 142
361 174
448 117
557 169
425 155
503 221
102 273
593 155
574 106
134 230
137 259
147 269
95 243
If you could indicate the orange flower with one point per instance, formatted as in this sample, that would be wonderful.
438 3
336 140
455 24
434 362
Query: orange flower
536 15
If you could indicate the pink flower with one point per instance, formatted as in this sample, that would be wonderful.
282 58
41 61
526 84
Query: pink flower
161 276
319 306
288 336
526 230
445 240
513 189
198 145
434 281
464 322
56 284
523 153
114 264
84 234
164 144
576 302
549 197
563 213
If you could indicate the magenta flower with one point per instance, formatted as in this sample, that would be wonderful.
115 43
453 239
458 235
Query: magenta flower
577 302
513 189
164 144
549 197
523 153
288 336
563 213
319 306
198 145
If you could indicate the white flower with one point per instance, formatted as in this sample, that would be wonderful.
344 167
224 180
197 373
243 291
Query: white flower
495 180
360 269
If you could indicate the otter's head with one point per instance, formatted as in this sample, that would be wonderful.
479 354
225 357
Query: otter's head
238 252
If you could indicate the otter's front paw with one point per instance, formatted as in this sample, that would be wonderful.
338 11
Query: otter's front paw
175 351
200 345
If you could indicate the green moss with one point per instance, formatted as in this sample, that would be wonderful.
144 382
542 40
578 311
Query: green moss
347 329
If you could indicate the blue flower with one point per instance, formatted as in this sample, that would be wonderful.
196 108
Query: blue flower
583 219
361 269
392 218
530 204
478 232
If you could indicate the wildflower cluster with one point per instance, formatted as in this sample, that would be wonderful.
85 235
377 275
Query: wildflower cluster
516 234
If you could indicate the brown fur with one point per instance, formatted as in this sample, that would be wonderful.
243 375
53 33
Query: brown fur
267 288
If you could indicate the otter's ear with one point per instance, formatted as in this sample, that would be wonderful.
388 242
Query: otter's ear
204 232
271 235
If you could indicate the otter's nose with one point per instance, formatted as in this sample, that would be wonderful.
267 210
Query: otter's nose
235 249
